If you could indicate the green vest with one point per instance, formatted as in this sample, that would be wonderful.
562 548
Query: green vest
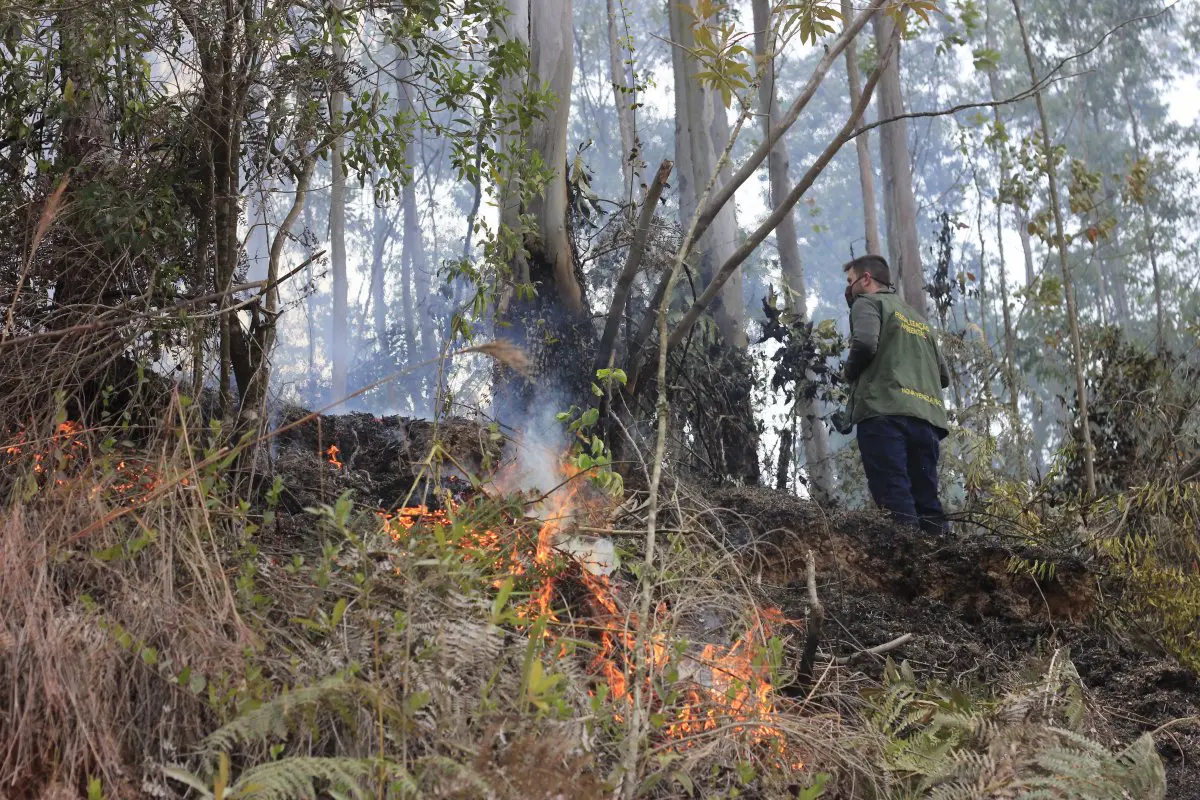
903 379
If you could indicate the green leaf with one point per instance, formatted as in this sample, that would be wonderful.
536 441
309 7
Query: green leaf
816 789
188 779
339 610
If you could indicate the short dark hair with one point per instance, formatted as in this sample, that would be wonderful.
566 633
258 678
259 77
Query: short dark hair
873 265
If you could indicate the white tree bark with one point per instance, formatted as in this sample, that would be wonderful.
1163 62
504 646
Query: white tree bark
381 232
900 204
544 26
339 340
701 134
816 438
862 145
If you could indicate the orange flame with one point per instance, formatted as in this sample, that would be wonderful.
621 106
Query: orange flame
732 686
332 452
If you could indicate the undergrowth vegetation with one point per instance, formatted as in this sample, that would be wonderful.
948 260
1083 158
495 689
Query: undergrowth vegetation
169 628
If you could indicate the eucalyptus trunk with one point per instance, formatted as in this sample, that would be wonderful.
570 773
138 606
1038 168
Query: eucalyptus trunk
900 204
339 338
553 324
816 438
1061 245
701 135
862 144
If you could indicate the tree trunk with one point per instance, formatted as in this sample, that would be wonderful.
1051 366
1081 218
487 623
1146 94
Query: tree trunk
553 324
900 204
422 344
1068 284
1026 246
812 431
1160 339
382 232
310 307
862 144
701 134
339 338
624 98
730 310
1002 277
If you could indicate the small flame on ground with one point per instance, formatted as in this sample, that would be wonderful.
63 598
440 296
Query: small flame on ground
738 689
332 452
66 453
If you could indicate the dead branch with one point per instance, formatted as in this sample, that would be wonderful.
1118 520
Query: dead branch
772 221
725 193
877 650
633 263
816 619
180 305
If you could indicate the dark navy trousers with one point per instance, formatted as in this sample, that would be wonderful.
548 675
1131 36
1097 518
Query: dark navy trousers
900 457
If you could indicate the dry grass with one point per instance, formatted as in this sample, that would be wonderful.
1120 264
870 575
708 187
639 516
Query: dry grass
91 639
121 650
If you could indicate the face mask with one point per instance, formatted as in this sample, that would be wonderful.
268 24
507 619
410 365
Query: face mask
850 291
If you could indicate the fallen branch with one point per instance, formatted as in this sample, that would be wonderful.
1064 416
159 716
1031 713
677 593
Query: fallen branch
816 619
877 650
128 314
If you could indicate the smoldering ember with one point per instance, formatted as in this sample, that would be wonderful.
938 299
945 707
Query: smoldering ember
599 399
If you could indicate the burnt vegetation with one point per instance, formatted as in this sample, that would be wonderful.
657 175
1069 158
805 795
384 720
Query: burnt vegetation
457 488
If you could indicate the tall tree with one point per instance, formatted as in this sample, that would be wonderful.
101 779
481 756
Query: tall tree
624 96
1140 193
701 133
1061 246
339 339
862 144
816 438
701 136
1002 276
543 305
900 204
381 233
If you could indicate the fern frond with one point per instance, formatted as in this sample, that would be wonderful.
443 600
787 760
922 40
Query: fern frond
284 714
295 777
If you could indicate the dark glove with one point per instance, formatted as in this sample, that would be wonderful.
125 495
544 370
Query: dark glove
840 420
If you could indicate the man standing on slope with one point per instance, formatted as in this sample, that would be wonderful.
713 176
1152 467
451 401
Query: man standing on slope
896 374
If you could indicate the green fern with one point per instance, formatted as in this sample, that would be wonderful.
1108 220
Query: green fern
942 746
292 778
300 708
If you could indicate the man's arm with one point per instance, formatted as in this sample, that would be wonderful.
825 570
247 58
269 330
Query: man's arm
865 324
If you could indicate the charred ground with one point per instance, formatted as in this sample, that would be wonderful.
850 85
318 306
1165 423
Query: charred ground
975 621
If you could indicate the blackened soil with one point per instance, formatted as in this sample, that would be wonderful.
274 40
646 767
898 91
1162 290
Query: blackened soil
974 622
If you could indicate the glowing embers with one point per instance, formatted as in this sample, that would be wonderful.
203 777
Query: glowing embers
65 447
66 458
